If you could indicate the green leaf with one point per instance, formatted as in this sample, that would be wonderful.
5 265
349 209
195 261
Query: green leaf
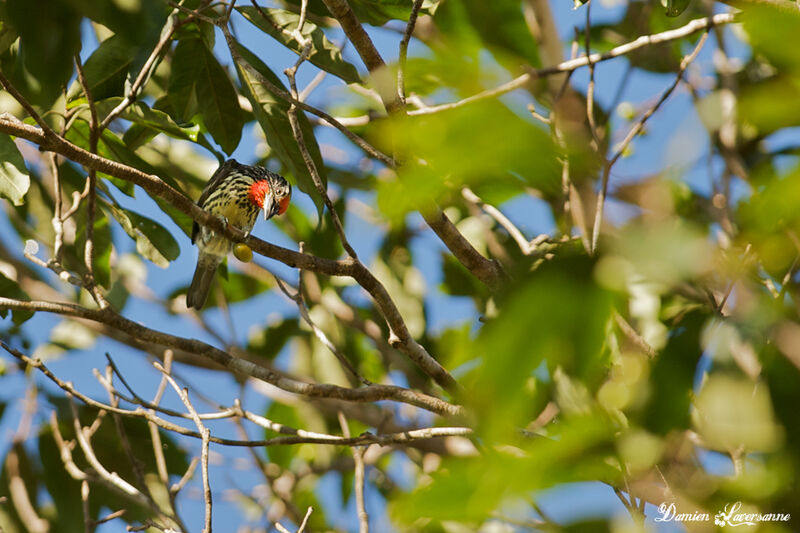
50 37
577 452
198 83
240 287
375 12
566 312
269 341
279 24
270 111
288 415
526 157
769 29
106 69
10 289
498 25
153 241
14 177
140 113
668 407
137 22
102 247
7 35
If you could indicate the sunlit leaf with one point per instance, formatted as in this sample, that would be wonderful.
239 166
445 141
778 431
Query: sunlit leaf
153 241
469 490
433 149
375 12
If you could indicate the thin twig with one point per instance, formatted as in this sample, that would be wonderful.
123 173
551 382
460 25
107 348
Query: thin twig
634 131
144 72
284 95
91 204
524 245
400 337
9 87
297 298
572 64
591 87
358 459
205 434
403 53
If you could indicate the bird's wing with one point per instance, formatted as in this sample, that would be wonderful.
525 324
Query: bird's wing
223 170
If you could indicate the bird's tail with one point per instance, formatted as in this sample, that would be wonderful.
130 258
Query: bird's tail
201 282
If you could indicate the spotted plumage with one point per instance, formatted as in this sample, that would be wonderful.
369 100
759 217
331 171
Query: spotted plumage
236 193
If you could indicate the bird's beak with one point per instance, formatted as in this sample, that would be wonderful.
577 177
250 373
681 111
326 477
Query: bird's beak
267 206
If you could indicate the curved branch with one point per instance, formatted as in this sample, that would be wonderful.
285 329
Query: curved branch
157 187
371 393
573 64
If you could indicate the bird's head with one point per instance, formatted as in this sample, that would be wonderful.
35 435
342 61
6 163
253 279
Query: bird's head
271 195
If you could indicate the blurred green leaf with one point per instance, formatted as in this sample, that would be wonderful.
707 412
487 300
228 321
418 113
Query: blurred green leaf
199 84
286 415
735 411
153 241
667 408
468 490
321 239
241 287
673 8
270 111
14 178
10 289
768 217
458 281
7 32
757 103
375 12
269 341
279 24
554 319
498 25
433 147
137 22
50 37
769 29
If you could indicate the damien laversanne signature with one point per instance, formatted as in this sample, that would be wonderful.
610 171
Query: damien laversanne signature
730 515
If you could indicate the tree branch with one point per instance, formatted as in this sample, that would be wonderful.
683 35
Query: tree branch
157 187
582 61
371 393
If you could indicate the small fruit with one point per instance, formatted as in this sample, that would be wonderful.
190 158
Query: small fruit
242 252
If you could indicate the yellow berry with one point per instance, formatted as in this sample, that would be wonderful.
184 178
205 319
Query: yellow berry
242 252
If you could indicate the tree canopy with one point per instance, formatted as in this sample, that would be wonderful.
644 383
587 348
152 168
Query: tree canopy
533 249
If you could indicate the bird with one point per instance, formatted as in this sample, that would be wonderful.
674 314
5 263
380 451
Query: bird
236 193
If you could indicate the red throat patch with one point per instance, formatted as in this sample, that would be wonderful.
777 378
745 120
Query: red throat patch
284 205
258 191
